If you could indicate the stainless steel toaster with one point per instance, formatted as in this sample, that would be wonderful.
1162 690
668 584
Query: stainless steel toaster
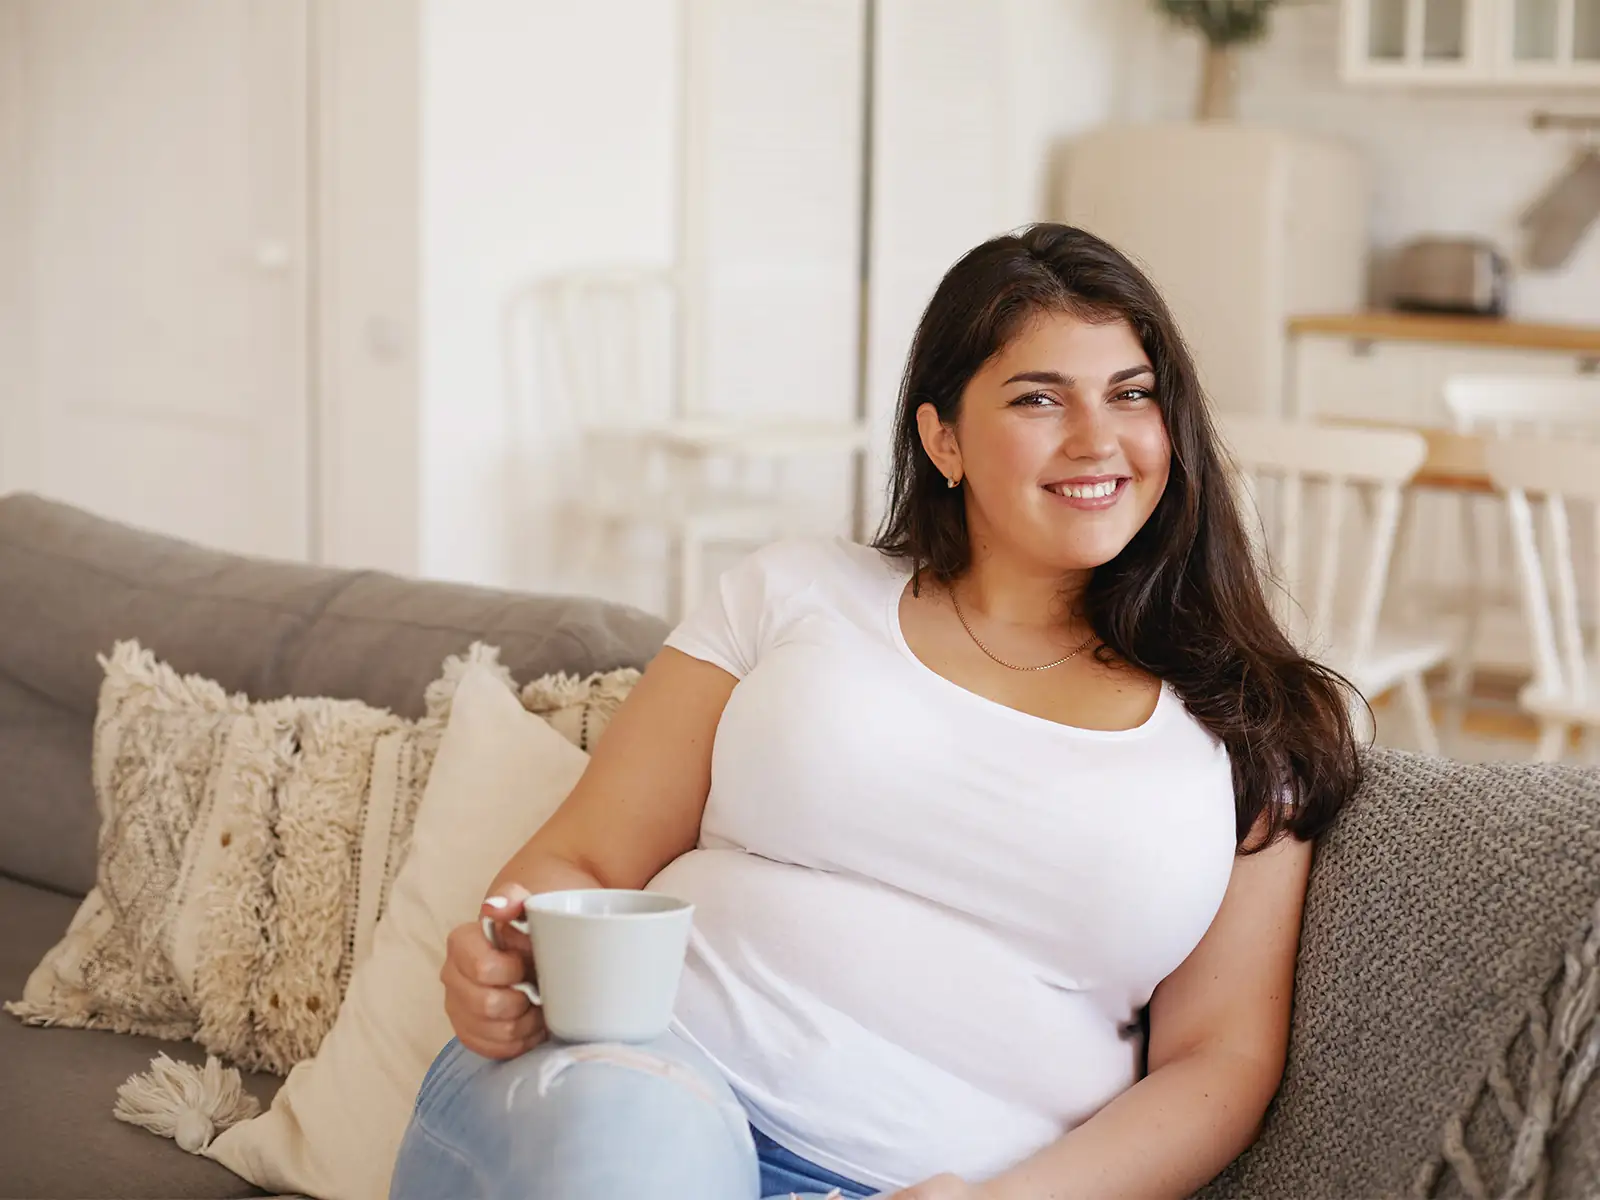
1449 275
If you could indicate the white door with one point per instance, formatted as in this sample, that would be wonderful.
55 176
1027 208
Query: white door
153 282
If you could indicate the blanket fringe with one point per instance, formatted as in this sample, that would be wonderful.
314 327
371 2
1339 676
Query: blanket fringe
189 1104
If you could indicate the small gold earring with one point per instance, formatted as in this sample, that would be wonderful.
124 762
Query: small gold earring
952 481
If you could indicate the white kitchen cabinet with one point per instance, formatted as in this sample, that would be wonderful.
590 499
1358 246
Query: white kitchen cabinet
1492 43
1371 376
1391 366
1547 41
1414 41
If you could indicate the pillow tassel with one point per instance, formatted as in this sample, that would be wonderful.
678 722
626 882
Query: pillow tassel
186 1103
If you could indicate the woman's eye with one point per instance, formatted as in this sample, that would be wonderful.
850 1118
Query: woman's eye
1134 394
1033 400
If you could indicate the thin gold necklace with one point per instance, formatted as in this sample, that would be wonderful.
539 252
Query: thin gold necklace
977 641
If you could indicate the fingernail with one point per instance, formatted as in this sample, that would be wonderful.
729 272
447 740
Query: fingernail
497 902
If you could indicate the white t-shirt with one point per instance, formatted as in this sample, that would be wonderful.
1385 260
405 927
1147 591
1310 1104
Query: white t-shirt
925 922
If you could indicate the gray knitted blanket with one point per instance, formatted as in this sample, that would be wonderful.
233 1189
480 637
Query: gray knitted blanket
1444 1036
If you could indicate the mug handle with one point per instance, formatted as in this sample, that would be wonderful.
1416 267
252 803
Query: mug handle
526 988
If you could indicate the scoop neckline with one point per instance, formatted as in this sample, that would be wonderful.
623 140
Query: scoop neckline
1164 698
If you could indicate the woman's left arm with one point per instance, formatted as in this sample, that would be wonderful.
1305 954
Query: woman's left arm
1219 1031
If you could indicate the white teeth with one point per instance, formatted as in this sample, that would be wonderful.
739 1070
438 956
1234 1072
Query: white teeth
1085 491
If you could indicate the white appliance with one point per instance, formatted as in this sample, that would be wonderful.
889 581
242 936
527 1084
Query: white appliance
1240 226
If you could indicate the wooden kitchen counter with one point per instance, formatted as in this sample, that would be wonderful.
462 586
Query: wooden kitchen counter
1380 325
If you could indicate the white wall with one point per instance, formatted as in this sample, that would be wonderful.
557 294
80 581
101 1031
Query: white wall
1460 162
547 144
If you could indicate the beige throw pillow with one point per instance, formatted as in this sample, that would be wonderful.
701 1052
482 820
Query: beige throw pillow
246 852
335 1126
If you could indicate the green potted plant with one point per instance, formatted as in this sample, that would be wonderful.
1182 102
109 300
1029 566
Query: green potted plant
1225 25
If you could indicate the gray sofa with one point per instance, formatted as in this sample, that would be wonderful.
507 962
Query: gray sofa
1440 908
70 585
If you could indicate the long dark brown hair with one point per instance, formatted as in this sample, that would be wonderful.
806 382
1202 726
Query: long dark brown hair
1184 600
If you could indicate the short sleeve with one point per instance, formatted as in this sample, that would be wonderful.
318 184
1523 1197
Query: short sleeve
727 627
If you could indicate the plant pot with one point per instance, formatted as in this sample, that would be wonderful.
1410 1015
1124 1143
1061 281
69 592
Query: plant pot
1219 84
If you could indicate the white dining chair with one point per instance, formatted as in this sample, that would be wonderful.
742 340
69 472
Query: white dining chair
1502 406
612 350
1561 477
1535 405
1326 508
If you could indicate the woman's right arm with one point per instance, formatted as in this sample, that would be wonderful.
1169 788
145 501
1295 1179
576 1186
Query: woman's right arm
635 809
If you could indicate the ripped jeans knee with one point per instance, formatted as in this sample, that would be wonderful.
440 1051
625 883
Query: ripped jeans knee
577 1122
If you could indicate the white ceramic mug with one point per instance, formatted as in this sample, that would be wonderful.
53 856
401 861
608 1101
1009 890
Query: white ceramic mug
608 961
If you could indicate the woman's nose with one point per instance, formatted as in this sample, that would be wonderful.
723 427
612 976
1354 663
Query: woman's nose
1089 436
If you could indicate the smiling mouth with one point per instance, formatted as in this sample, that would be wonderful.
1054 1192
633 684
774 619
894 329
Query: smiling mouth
1093 492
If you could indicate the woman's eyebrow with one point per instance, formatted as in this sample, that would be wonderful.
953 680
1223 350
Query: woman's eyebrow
1067 381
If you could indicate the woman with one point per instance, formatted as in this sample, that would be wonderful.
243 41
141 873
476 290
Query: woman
953 810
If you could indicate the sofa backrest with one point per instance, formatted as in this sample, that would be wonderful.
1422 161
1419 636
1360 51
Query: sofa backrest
72 584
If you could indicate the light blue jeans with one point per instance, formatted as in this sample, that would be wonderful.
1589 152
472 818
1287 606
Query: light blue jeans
592 1122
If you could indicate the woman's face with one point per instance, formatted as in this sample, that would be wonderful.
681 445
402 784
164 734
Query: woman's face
1059 444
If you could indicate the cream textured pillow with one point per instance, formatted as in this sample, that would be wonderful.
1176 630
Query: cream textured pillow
580 708
335 1126
246 851
169 752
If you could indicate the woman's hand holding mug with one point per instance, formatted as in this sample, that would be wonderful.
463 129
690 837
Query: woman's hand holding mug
610 960
488 1014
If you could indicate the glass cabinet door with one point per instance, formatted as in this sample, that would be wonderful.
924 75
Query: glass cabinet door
1386 30
1557 33
1444 30
1535 30
1427 31
1586 31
